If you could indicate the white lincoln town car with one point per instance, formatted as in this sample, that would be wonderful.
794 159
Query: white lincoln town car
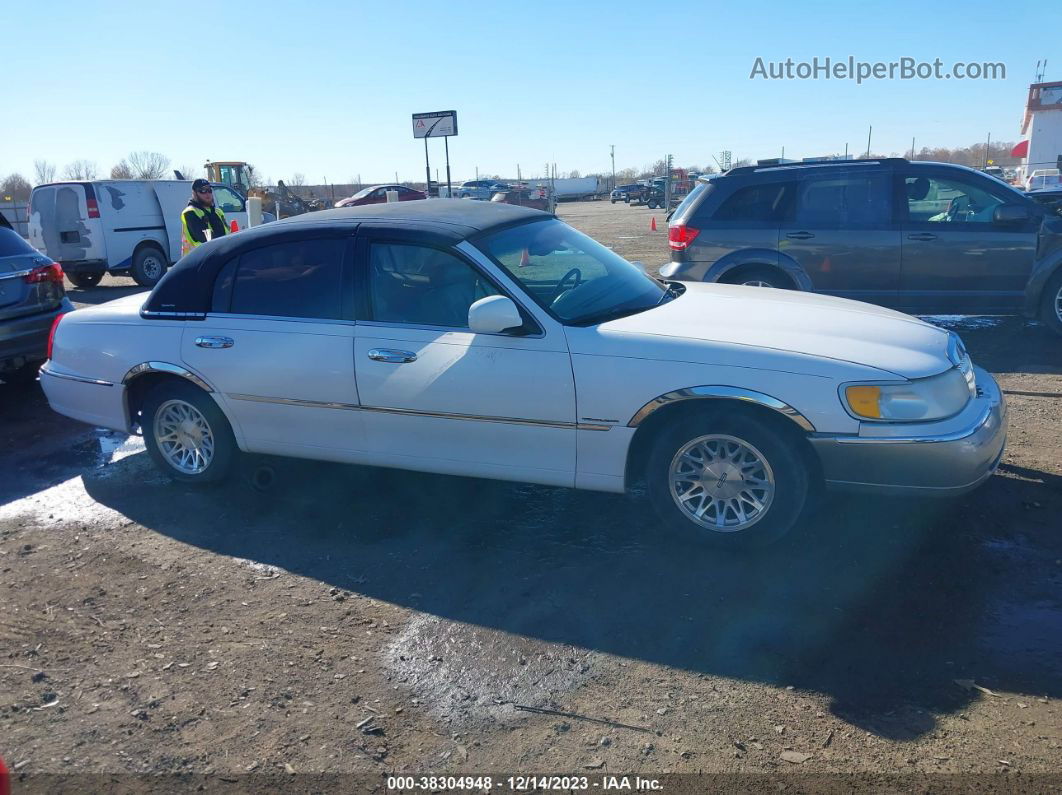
495 341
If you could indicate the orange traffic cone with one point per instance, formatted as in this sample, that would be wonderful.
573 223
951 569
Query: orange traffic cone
234 227
652 224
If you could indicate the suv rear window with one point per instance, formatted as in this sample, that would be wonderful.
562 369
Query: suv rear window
765 202
11 244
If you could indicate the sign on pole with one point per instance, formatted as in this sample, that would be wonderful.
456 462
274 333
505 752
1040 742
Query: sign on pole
435 125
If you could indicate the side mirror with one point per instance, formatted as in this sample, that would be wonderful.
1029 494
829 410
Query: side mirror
640 266
493 315
1007 214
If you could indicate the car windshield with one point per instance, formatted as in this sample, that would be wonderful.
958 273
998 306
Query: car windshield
361 194
573 277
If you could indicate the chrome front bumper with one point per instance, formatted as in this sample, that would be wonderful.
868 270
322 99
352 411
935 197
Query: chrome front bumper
942 459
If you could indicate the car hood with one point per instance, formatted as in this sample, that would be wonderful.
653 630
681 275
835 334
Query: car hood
795 322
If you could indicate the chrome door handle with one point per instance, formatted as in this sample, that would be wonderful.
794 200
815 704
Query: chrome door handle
799 235
922 236
214 342
392 356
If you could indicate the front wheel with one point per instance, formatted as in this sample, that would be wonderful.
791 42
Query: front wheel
149 265
727 478
85 279
186 434
1051 306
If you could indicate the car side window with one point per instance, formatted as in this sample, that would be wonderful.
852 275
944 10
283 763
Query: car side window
949 200
300 278
227 200
764 203
423 286
844 201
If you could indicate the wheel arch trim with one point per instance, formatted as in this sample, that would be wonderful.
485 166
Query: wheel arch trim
716 392
166 368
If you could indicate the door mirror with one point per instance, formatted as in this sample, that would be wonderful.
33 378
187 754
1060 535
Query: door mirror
493 315
1009 214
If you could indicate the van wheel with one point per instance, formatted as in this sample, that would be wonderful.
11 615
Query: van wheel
85 279
1051 304
727 478
186 434
149 265
759 277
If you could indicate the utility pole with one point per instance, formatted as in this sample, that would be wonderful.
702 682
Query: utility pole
869 133
988 146
912 147
613 148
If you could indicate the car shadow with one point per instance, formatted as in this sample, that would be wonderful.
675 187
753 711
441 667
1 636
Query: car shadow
879 604
102 293
1005 344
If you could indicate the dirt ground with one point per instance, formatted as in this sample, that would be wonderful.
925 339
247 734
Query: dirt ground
368 622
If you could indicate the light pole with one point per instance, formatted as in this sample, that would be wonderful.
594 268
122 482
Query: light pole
613 148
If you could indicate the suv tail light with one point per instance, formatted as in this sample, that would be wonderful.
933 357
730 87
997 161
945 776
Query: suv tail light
679 236
93 208
51 333
45 273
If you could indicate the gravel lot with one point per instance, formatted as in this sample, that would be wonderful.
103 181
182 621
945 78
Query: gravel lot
368 621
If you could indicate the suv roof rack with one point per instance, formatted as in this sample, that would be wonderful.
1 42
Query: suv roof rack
789 165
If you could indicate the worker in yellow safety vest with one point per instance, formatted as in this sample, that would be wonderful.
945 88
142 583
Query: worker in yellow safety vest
200 220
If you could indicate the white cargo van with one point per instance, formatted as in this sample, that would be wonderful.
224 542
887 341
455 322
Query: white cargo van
124 226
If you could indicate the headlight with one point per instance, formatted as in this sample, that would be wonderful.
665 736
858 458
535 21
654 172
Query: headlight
933 398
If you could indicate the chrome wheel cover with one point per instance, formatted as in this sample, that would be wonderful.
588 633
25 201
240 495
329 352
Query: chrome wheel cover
721 483
1058 304
152 267
184 437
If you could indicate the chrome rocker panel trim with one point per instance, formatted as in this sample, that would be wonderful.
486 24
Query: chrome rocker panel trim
730 392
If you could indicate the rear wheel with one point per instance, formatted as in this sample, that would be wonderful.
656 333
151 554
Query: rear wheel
85 279
1051 304
186 434
759 277
149 265
727 478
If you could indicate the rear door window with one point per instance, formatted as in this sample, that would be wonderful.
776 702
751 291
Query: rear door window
960 199
844 201
300 278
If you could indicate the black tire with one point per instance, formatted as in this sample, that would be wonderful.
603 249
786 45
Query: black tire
225 450
759 277
149 265
85 279
23 376
787 468
612 200
651 205
1051 304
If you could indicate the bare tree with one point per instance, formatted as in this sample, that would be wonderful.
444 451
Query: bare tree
254 179
121 170
43 171
574 174
297 180
148 165
16 186
80 170
190 172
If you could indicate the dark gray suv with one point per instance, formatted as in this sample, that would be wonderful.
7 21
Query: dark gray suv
916 236
31 297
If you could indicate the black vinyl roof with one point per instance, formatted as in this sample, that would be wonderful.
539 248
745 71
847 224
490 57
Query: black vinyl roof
186 289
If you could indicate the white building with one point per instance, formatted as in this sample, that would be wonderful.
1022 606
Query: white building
1042 128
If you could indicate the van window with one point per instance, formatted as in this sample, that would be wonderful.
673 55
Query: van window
844 201
228 200
764 203
958 199
301 278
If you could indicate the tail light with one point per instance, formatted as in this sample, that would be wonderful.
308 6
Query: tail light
93 208
45 273
679 236
51 333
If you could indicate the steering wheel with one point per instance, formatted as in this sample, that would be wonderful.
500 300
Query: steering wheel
575 275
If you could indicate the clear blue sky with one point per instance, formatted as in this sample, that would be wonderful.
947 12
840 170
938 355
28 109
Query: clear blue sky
327 88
